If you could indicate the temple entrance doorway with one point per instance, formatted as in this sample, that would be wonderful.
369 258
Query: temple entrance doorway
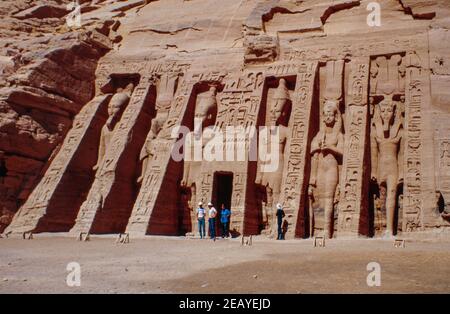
222 192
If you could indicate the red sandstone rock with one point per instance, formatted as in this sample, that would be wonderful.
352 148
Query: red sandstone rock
42 11
325 52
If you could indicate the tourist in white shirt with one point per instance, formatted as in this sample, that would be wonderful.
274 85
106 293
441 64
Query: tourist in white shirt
212 213
201 212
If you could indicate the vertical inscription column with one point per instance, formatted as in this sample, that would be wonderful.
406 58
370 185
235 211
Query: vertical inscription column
106 174
293 192
443 162
353 216
412 190
36 209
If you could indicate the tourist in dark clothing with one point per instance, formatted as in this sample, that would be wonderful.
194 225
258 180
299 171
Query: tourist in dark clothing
280 216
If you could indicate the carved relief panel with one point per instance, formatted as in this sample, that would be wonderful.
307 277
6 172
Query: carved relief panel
387 119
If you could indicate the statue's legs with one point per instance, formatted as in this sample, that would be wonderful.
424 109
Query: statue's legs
311 216
329 217
194 205
267 220
265 216
329 182
391 187
381 206
144 169
312 190
314 169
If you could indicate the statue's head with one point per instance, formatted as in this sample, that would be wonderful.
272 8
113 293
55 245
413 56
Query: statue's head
203 109
330 112
280 99
387 112
117 101
114 108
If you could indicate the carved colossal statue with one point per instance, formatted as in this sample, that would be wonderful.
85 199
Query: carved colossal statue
387 155
115 109
271 181
205 113
326 151
166 92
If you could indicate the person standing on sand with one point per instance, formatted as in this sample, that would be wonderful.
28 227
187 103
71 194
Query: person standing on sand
212 221
201 220
225 221
280 216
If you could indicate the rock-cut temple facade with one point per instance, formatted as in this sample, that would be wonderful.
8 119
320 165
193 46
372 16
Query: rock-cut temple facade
360 101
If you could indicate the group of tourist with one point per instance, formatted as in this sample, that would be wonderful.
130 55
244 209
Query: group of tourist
225 215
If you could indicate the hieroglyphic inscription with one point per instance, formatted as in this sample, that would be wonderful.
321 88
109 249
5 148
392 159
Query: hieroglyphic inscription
413 201
352 188
444 165
292 193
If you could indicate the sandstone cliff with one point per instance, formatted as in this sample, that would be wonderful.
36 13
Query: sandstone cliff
49 71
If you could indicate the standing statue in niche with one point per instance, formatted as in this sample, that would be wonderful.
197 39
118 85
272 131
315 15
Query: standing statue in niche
326 151
387 155
205 115
166 91
115 109
279 112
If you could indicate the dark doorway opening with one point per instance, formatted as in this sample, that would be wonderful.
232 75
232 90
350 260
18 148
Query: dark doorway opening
222 192
223 188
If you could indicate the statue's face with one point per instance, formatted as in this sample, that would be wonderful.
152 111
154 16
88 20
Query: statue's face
113 110
277 108
278 104
329 115
201 116
201 111
386 112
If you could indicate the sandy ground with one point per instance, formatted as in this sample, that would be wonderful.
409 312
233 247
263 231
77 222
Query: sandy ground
173 265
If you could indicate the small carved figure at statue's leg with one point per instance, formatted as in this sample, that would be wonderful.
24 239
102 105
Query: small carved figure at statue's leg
265 220
269 192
